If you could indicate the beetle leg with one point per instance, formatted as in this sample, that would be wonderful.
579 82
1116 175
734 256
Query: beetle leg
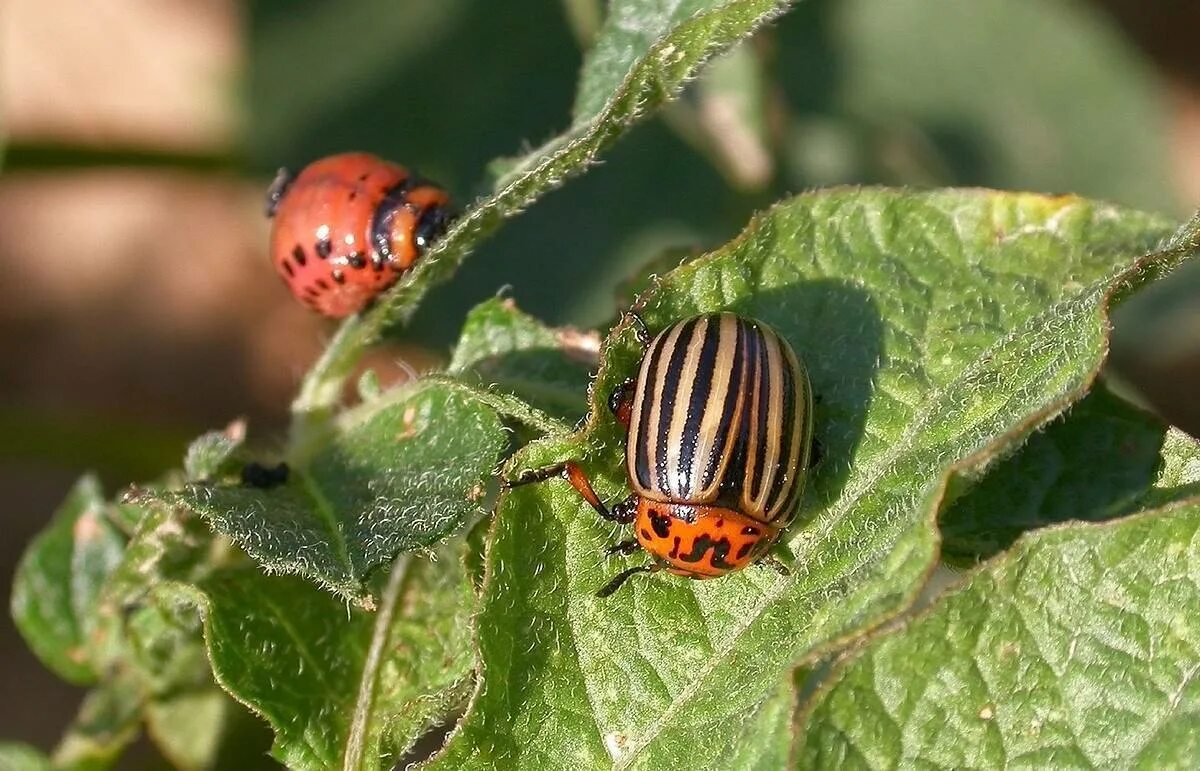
624 547
773 562
531 476
620 402
816 453
624 575
624 512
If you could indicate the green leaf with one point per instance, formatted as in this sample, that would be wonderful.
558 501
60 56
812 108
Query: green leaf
1090 464
653 76
1076 649
59 579
15 756
400 474
515 353
339 685
939 329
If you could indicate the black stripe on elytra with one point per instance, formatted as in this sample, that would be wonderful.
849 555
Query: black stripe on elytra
338 276
732 396
798 418
789 467
754 479
645 402
701 389
287 266
298 255
673 379
381 221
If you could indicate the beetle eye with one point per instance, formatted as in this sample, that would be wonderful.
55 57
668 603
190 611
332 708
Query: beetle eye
283 180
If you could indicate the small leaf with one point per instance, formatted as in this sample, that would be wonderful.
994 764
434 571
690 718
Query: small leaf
1076 649
939 331
1178 472
215 453
298 657
402 473
59 579
513 352
1090 464
186 714
106 724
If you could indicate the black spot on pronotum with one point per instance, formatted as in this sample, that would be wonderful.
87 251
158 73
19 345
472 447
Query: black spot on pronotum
646 534
264 477
298 255
720 550
323 248
660 524
357 260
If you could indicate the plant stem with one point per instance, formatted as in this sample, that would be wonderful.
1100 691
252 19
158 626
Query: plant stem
363 706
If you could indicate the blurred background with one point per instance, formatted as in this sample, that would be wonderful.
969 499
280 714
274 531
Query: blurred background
139 307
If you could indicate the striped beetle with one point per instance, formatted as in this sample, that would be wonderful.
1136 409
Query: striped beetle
718 444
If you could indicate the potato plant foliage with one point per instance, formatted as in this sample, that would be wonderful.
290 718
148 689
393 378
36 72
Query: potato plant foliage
390 602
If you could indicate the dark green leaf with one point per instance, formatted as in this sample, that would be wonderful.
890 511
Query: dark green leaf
513 352
939 330
402 473
335 682
59 579
1077 649
22 757
628 31
191 720
1090 464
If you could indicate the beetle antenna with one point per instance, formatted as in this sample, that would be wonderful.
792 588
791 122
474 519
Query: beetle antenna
623 576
